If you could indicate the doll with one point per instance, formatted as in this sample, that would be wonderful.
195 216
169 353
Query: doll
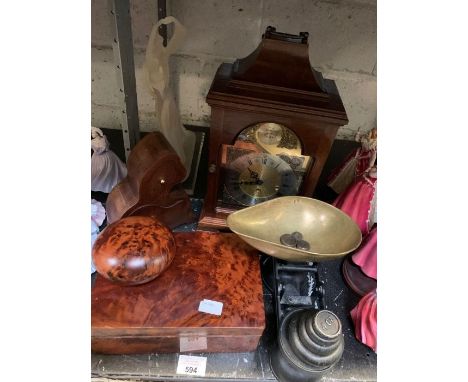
359 162
106 168
359 200
356 183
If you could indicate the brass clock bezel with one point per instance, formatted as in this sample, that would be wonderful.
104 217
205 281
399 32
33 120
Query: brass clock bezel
266 138
271 137
257 177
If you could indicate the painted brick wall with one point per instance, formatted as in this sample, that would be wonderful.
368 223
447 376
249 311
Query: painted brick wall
342 41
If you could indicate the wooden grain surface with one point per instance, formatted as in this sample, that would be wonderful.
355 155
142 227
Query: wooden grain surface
262 87
214 266
152 186
133 250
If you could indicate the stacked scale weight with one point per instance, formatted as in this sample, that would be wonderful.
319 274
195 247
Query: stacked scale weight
310 343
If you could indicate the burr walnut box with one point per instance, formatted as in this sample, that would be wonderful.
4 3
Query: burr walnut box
162 316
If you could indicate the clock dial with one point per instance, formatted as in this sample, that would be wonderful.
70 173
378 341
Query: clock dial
257 177
272 138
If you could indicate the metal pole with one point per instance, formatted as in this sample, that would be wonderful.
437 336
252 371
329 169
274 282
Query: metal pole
125 69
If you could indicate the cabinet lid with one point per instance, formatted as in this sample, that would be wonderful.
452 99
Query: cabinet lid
213 266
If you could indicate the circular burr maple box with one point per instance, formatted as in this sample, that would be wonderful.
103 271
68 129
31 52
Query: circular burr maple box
133 250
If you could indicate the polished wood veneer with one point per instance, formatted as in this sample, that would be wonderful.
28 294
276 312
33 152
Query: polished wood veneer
162 315
153 185
133 250
277 84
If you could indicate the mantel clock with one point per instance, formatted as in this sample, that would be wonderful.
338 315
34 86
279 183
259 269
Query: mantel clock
273 121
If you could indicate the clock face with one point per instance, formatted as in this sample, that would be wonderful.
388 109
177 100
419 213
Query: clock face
265 162
257 177
272 138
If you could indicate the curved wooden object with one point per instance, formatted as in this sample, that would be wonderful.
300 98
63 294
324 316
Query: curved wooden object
152 185
134 250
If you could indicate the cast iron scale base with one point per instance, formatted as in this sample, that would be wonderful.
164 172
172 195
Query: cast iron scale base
293 285
309 340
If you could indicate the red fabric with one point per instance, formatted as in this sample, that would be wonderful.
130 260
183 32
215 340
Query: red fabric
366 255
356 201
364 316
362 158
363 161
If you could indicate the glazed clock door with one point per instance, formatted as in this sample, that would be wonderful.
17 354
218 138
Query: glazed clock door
257 177
265 162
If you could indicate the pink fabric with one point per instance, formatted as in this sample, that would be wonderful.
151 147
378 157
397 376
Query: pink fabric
356 201
364 316
366 255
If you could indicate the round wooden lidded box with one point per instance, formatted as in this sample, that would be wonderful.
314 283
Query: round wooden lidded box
134 250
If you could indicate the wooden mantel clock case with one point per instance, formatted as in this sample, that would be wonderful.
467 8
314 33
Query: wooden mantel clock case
273 122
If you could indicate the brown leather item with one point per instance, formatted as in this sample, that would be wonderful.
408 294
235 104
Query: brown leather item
152 185
133 250
162 315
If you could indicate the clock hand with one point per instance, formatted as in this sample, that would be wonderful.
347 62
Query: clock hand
253 174
258 182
